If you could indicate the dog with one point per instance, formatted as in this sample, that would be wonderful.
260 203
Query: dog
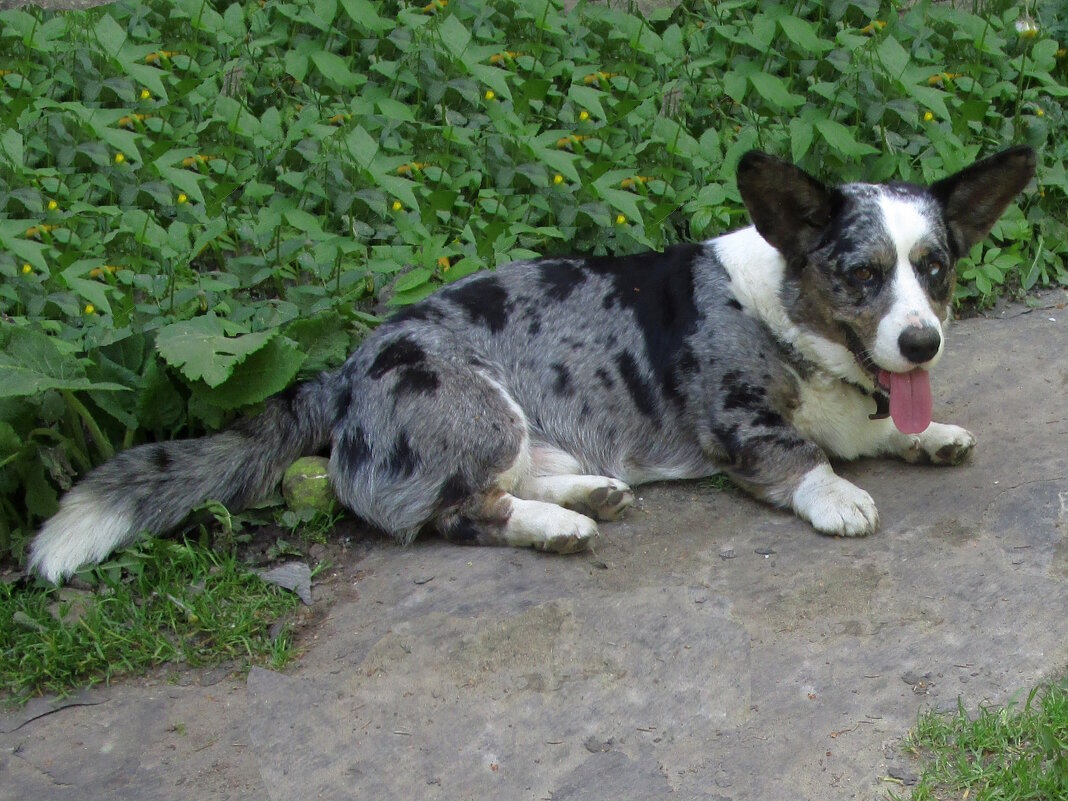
518 406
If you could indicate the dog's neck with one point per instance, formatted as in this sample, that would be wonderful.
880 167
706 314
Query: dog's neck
758 272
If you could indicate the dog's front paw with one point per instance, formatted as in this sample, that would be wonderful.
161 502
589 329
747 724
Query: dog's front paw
946 444
939 444
833 505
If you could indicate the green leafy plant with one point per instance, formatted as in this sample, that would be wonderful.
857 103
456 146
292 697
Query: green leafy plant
200 203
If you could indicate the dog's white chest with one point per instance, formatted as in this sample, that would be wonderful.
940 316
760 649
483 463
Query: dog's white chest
836 416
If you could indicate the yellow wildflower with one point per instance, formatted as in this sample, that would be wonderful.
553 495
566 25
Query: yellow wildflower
620 219
927 116
397 205
27 269
873 26
90 308
490 94
584 115
52 205
600 75
146 95
119 158
182 198
558 179
443 263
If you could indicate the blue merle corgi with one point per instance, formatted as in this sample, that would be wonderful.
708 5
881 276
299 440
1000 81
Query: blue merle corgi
518 407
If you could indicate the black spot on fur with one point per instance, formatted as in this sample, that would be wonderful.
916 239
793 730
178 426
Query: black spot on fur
160 458
425 311
417 381
734 304
606 379
534 327
685 366
641 392
402 459
484 299
769 419
728 437
401 352
658 290
454 491
342 401
560 278
353 450
562 385
743 396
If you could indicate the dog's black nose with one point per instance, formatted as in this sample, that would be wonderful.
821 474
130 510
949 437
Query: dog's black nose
919 345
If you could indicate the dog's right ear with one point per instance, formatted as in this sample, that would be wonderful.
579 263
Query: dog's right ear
789 207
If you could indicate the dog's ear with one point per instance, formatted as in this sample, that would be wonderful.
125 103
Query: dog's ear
974 198
789 207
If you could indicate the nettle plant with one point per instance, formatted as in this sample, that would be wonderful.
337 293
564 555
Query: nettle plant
203 202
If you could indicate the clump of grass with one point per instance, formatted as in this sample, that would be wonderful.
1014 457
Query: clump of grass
163 601
1017 753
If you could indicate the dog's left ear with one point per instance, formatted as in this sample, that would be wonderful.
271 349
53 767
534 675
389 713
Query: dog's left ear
974 198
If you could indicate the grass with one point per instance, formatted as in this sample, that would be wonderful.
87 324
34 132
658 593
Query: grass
1012 753
162 601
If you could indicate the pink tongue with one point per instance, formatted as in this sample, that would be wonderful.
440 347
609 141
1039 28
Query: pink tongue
910 399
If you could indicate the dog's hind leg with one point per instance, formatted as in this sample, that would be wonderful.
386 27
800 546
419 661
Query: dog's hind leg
498 518
556 477
599 497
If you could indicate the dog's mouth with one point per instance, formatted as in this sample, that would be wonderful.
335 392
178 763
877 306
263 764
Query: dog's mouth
910 399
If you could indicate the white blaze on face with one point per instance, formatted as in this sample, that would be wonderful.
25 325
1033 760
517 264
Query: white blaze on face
908 224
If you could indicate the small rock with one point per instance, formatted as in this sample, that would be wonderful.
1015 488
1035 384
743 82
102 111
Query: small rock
295 576
906 777
727 553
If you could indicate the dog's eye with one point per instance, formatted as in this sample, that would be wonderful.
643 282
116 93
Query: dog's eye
863 275
935 267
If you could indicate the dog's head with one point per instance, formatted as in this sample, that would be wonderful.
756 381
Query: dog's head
871 267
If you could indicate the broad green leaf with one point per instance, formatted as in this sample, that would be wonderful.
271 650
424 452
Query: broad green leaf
411 279
264 373
803 34
801 135
362 146
894 57
110 34
323 339
334 68
363 13
773 89
201 351
12 148
841 139
588 98
454 35
932 98
32 362
301 220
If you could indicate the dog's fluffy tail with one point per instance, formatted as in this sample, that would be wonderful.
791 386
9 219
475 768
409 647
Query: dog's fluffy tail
153 487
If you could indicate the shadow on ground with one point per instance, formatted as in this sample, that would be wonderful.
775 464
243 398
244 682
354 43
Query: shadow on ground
709 648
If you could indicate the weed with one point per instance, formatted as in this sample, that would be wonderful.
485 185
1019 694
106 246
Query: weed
162 601
999 753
